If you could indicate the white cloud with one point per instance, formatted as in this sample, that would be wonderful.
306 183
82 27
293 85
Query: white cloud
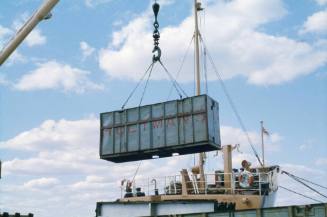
94 3
316 23
4 81
4 31
35 38
231 135
86 49
55 75
67 151
55 134
237 46
44 183
4 34
321 162
321 2
306 146
63 164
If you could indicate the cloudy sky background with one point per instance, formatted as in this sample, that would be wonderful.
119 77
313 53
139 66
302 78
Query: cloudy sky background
272 55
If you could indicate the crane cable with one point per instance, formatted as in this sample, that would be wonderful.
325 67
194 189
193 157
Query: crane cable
146 84
175 83
156 58
205 71
136 171
204 50
137 85
181 65
229 98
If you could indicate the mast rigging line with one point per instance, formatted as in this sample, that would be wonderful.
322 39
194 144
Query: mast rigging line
149 70
174 82
292 191
205 70
232 104
182 64
137 170
287 173
298 179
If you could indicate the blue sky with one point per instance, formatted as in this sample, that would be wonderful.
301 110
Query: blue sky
86 59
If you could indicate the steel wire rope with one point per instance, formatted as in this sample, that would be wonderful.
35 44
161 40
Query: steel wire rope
306 185
205 73
137 170
146 84
321 186
175 83
290 190
205 53
181 66
137 85
229 98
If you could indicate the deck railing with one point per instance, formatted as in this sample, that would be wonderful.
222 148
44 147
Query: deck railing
213 184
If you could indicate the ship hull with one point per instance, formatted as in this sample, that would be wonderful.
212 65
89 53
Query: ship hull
269 200
200 208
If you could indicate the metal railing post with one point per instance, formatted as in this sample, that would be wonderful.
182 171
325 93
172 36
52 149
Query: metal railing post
260 184
148 186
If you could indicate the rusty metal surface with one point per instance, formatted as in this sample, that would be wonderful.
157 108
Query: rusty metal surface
184 126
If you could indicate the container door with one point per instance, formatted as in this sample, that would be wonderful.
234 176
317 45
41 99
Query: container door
107 142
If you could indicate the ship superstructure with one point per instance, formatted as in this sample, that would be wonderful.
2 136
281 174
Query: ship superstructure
185 126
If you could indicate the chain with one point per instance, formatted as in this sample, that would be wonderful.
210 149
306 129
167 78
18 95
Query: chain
156 34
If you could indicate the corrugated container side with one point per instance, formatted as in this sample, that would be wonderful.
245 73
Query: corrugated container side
183 126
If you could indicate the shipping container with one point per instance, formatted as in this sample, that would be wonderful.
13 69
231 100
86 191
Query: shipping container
185 126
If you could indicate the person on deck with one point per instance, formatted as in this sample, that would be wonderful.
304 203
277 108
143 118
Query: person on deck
246 178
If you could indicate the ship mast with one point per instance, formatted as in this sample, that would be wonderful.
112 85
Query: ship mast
197 8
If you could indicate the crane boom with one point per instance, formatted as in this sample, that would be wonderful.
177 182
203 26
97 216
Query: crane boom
41 14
